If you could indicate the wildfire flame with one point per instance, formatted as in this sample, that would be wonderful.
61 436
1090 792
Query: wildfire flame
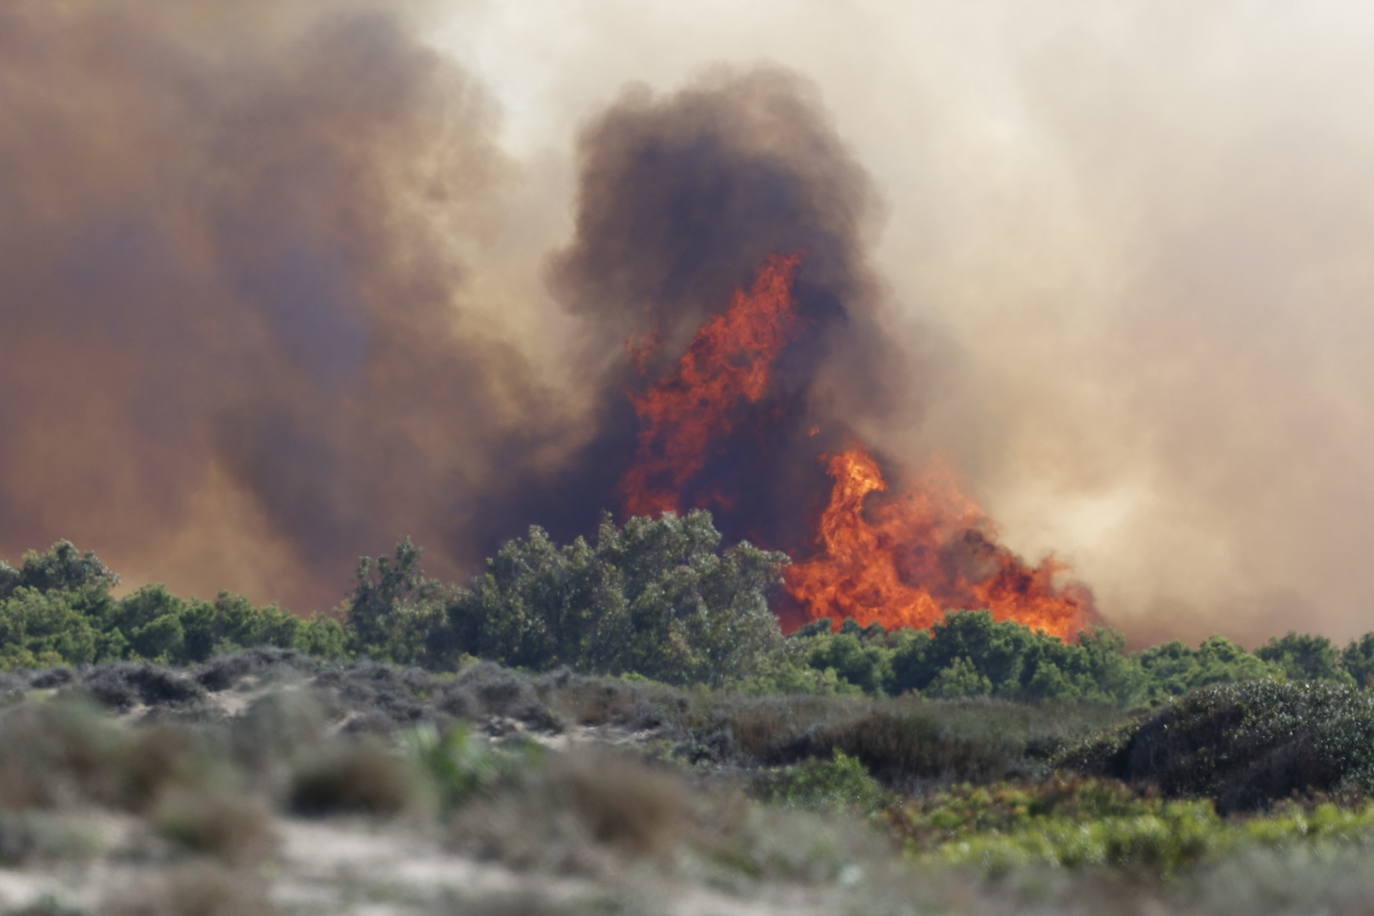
729 361
903 560
906 561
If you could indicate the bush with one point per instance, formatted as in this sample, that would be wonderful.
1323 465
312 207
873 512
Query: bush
192 890
907 746
964 810
840 782
657 597
124 686
360 778
1304 658
1175 835
620 802
227 827
460 767
1244 745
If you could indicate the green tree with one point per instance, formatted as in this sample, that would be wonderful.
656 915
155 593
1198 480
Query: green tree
1358 660
1108 672
394 607
863 664
9 580
62 568
1304 657
912 652
57 609
151 621
960 678
42 629
1174 668
657 597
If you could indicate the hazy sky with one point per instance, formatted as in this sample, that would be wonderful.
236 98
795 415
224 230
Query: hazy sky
1138 236
281 275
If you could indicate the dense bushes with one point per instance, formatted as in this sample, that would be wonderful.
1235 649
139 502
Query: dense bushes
658 598
1245 744
57 608
971 654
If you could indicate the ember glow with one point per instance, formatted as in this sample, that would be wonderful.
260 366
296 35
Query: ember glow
901 560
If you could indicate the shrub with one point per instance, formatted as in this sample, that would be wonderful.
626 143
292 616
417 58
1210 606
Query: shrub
191 890
124 686
657 597
500 691
227 827
904 746
459 766
621 802
634 705
586 810
27 837
1176 835
962 811
360 778
57 754
840 782
1244 745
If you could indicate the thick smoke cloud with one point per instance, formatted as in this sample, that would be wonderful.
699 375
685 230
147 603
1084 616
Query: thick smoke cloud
1124 258
1141 229
238 352
253 347
681 200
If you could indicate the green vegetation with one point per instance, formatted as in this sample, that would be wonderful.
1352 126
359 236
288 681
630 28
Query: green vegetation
58 609
1245 745
656 598
229 775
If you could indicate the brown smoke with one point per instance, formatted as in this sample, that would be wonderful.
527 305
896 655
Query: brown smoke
237 349
681 199
272 289
251 349
1142 229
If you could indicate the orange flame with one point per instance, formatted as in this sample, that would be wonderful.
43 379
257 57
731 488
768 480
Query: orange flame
905 561
902 561
729 361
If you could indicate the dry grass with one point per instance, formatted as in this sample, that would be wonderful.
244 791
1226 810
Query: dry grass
57 754
232 829
356 778
620 802
588 811
199 889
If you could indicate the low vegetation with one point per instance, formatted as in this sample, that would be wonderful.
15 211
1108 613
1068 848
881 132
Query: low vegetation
620 726
589 788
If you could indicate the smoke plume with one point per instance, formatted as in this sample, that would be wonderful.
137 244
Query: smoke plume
251 348
681 200
278 283
238 349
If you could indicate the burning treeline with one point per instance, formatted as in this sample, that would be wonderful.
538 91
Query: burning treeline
900 562
239 266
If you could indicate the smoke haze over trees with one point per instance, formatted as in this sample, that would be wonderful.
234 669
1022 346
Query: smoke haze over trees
286 281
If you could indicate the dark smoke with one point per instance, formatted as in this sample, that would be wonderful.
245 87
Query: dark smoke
241 342
681 200
232 346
